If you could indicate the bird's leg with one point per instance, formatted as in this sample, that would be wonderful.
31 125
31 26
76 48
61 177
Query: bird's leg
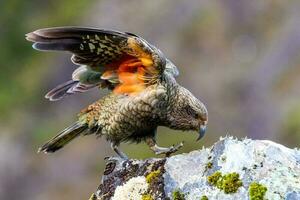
121 156
118 151
162 150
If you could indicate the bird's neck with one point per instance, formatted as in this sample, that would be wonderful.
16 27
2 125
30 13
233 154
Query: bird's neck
172 89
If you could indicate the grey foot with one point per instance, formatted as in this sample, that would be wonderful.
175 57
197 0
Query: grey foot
120 153
116 159
167 151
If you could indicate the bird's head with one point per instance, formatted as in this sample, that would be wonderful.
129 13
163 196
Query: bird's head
188 113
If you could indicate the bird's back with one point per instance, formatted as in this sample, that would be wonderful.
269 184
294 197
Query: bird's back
120 117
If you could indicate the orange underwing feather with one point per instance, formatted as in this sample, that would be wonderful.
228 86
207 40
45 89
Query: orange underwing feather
122 62
129 89
131 71
128 78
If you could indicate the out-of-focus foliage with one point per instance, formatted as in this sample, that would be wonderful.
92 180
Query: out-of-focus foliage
291 126
240 57
22 73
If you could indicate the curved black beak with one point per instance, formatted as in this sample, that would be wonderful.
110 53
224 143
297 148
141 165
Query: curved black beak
201 132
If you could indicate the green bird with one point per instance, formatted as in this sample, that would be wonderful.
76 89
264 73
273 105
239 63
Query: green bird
144 94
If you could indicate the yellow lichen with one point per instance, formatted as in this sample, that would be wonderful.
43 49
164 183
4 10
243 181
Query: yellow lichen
152 176
214 178
204 197
229 183
177 195
147 197
209 165
257 191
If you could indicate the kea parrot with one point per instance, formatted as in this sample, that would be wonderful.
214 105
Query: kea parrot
144 93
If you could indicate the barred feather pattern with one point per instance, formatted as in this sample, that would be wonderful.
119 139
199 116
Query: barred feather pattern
63 138
145 93
67 88
121 61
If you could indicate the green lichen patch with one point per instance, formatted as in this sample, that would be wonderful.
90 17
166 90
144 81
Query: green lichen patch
152 176
229 183
257 191
209 165
204 197
147 197
130 169
177 195
214 178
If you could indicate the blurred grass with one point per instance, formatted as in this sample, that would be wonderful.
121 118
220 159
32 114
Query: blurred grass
22 69
291 127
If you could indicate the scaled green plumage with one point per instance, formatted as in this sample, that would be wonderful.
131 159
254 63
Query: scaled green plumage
144 94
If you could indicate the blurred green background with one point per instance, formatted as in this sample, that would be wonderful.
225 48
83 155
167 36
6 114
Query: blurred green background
242 58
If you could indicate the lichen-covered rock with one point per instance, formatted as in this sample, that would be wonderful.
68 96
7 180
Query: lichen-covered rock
230 169
133 189
133 180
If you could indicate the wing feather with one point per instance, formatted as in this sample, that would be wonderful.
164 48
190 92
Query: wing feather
120 61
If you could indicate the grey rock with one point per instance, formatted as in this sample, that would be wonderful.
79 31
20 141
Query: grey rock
293 196
270 164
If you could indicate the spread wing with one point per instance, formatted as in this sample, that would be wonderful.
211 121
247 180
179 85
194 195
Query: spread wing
122 62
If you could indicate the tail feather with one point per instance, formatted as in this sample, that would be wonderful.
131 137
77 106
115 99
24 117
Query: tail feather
63 138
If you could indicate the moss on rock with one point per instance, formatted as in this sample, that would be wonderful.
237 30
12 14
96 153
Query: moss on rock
257 191
214 178
177 195
147 197
229 183
204 197
209 165
152 176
